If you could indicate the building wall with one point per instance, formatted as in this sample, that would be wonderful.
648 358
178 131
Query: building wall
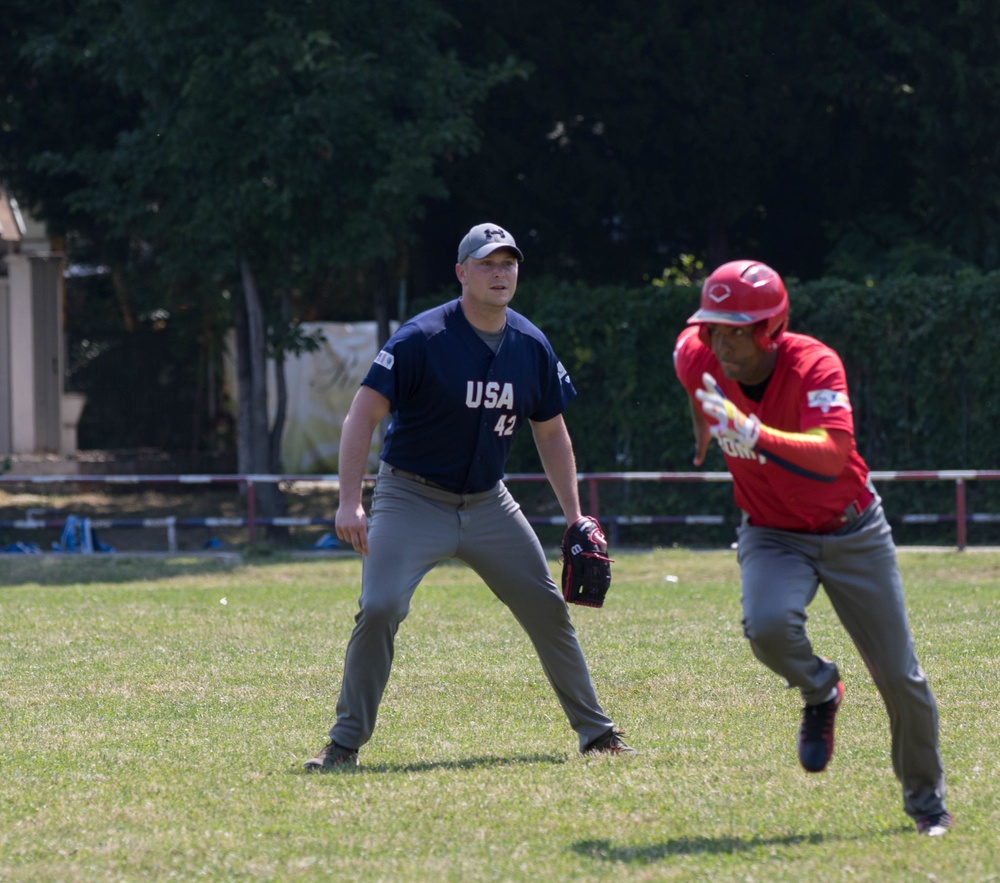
31 357
5 372
31 338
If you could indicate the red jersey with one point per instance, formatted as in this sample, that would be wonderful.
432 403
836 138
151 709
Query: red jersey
807 390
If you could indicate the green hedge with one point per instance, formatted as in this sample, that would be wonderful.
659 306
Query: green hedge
920 355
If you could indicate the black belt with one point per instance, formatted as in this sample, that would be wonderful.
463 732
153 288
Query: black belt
851 514
412 476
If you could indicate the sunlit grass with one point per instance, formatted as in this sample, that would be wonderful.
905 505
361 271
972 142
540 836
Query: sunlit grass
155 716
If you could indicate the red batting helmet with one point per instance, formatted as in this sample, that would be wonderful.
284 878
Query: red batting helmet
744 293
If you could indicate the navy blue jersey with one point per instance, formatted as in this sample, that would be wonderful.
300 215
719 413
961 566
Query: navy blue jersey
456 406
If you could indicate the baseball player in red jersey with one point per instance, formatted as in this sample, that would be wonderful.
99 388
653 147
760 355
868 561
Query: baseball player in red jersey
777 404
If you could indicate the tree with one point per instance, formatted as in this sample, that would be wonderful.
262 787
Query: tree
796 133
921 81
644 131
267 145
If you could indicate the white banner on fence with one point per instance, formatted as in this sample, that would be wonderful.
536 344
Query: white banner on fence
321 386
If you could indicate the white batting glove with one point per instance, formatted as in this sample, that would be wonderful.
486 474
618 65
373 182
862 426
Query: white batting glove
729 426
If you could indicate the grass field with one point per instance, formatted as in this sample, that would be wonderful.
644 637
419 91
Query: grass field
156 712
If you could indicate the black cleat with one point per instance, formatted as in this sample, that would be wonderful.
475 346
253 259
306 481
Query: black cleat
816 732
610 743
332 757
935 825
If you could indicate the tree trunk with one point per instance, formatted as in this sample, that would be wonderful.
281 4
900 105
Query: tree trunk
281 389
274 442
244 405
254 448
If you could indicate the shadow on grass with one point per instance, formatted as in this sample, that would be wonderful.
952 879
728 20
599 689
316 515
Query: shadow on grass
605 850
468 763
71 569
64 569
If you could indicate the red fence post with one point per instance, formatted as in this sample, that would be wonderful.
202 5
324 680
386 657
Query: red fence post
251 511
960 511
595 505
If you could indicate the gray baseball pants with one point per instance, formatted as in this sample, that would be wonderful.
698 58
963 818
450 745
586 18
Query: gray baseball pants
412 527
857 566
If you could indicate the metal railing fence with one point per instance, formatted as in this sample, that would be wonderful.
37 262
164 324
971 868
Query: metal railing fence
591 484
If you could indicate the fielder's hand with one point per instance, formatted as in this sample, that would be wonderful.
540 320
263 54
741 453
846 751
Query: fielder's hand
727 423
352 526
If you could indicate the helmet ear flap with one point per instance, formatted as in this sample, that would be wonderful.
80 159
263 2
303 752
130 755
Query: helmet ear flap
705 335
766 336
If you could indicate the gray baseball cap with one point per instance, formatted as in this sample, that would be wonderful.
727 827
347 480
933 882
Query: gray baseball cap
485 238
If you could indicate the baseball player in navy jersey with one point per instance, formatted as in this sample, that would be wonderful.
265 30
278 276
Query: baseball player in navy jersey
459 381
777 404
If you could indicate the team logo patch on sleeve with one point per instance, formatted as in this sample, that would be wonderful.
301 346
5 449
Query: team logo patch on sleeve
825 399
563 373
385 360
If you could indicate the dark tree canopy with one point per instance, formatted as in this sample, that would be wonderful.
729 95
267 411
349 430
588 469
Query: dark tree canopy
329 156
843 136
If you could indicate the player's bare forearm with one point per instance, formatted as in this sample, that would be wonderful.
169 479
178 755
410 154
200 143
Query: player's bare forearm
367 410
555 449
